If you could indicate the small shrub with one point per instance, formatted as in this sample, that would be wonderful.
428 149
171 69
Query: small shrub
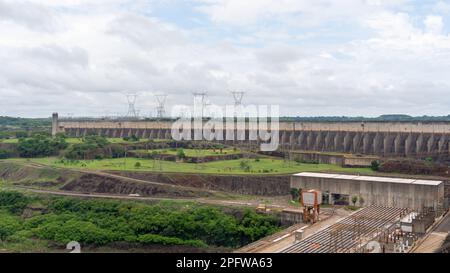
181 154
375 165
4 154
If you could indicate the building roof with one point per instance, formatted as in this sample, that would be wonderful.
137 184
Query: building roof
370 178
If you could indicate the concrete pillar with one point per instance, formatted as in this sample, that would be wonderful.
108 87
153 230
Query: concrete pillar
377 144
302 140
292 141
284 138
55 124
309 141
366 143
347 142
338 142
387 144
318 143
169 135
430 143
419 144
152 133
441 144
356 141
398 144
327 142
408 144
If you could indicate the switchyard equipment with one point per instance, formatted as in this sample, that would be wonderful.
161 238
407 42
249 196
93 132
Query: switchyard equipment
311 200
352 233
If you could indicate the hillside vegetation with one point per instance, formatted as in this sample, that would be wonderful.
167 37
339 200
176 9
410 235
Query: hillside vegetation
46 221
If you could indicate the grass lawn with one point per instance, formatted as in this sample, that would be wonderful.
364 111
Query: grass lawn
263 166
192 152
9 140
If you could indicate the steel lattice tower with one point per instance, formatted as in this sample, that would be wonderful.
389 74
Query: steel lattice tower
238 96
131 98
201 96
160 109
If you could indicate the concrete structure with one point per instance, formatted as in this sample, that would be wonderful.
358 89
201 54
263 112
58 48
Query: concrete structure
347 160
374 138
375 191
55 125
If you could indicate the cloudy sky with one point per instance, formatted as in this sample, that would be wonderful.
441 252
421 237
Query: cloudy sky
312 57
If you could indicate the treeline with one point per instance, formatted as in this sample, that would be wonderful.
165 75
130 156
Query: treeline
99 222
41 145
27 124
382 118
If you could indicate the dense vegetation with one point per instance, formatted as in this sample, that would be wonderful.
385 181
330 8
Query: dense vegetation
41 145
413 166
90 147
99 222
8 125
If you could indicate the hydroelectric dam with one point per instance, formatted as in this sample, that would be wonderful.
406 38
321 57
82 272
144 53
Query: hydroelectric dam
402 139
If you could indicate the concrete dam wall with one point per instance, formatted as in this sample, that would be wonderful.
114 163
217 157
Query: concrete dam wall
371 138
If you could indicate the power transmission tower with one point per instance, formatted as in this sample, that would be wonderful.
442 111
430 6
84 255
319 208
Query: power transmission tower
160 109
131 98
238 98
201 98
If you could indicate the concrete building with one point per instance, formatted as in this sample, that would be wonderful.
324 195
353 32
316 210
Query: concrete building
370 138
375 191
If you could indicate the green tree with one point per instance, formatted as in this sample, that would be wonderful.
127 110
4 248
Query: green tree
137 165
294 193
98 141
245 165
13 201
40 145
21 134
375 165
8 226
354 200
181 154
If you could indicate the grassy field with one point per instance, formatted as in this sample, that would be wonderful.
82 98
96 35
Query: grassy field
263 166
192 152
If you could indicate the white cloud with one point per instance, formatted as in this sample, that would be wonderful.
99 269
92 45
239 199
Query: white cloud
96 50
434 24
304 12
